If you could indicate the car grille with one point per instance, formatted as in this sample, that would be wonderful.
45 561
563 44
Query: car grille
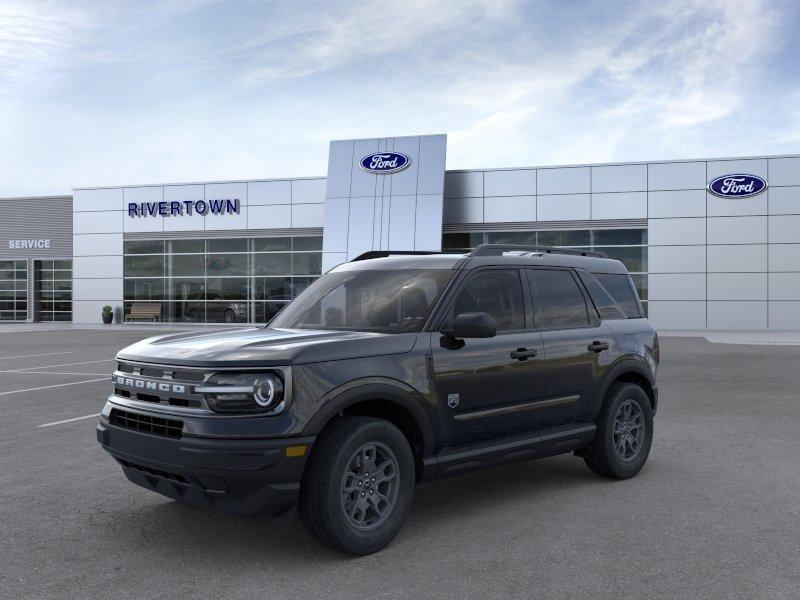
159 385
171 428
150 471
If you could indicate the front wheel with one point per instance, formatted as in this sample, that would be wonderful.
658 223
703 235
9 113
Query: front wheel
358 485
624 433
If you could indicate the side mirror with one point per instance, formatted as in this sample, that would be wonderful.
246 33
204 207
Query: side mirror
472 325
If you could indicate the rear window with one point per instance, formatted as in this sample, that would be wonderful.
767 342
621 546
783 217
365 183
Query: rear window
621 289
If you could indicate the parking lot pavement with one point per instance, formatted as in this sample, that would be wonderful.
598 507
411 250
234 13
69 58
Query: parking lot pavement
714 514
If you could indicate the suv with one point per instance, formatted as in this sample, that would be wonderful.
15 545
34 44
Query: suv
389 370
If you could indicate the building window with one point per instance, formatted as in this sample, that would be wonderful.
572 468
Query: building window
13 290
220 280
54 290
626 245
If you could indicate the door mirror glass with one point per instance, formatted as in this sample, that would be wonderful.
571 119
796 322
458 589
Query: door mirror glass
472 325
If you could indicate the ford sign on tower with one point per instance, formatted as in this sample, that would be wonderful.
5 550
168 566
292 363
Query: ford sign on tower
385 163
737 186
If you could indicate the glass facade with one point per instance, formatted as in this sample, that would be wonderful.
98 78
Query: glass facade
13 290
219 280
626 245
53 290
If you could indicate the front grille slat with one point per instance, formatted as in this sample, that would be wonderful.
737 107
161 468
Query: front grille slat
171 428
159 385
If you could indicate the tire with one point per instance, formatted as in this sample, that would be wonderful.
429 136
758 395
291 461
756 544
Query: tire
612 454
334 497
229 316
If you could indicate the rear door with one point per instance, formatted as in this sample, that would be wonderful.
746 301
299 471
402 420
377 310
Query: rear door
578 347
485 387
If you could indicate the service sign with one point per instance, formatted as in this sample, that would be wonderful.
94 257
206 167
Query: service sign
28 244
385 163
737 186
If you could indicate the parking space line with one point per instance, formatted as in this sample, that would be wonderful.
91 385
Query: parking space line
47 387
69 420
61 373
86 362
35 355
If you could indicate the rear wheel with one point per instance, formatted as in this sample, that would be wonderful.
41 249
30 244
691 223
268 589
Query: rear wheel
624 433
358 485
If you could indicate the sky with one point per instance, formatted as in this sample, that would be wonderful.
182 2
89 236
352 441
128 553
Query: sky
111 93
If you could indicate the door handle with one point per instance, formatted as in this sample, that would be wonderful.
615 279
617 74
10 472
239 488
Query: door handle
597 346
522 353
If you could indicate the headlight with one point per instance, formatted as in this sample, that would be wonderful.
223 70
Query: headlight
243 392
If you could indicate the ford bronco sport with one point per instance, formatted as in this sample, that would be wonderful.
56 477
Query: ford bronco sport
389 370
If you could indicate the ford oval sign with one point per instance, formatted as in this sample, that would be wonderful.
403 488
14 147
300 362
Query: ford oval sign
737 186
385 163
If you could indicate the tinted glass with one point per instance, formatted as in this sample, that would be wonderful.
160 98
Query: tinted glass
496 292
620 237
227 245
605 304
559 299
307 243
272 264
144 247
580 237
188 246
280 244
391 301
143 266
461 240
619 286
634 258
307 263
188 265
226 264
524 238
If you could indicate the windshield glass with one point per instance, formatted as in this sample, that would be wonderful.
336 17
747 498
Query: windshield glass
390 301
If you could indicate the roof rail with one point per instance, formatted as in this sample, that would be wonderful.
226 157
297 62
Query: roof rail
384 253
500 249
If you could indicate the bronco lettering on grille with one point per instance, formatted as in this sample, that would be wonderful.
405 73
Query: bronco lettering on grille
143 384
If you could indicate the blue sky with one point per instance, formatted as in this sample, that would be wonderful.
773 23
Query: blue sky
103 93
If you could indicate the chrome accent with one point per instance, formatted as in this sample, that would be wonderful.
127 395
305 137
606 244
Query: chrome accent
221 389
193 391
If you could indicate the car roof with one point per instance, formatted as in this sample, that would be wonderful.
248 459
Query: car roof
475 258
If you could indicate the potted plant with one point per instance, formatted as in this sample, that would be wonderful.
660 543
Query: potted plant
108 315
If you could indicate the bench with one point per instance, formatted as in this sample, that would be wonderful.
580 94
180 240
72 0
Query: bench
141 311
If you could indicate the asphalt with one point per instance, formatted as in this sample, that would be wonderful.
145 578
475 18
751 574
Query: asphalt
714 514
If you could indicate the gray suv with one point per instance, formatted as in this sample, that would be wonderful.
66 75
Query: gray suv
391 370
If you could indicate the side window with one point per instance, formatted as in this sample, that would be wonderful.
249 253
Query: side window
560 300
606 305
622 291
497 292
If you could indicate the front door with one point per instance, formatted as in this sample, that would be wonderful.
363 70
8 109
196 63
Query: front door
486 387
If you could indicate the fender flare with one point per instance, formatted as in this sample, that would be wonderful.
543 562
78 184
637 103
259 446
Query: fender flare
374 388
621 368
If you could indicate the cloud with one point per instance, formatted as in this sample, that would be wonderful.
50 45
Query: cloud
332 35
36 41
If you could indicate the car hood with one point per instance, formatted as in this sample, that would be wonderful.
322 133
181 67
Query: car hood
264 347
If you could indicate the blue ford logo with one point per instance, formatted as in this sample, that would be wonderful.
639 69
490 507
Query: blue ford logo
384 163
737 186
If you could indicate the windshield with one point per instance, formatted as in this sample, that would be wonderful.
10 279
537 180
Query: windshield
390 301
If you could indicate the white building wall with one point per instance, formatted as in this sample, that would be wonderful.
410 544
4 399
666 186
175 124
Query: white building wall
100 220
713 263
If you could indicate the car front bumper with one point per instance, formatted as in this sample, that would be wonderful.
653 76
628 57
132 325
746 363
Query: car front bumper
250 477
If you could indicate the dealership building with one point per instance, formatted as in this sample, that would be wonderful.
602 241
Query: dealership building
712 244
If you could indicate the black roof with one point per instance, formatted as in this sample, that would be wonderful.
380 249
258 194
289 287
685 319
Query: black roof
486 254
